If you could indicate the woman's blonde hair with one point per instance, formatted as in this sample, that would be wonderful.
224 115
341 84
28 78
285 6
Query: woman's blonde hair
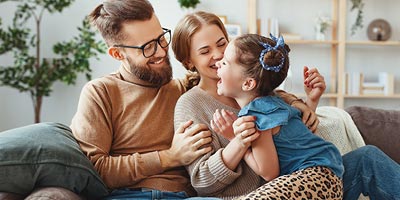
182 40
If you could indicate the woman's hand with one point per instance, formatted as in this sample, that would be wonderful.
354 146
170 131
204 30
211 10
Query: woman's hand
314 86
309 117
222 123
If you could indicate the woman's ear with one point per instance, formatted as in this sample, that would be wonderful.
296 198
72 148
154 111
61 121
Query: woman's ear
249 84
189 65
115 53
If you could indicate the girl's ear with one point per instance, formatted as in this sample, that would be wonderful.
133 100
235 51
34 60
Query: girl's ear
249 84
115 53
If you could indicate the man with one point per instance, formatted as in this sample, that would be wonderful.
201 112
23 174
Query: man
124 121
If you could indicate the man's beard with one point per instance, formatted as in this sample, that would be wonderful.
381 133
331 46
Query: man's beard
155 77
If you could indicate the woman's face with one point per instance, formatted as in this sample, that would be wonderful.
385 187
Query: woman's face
208 45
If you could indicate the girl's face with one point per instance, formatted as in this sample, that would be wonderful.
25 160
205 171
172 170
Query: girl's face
230 74
208 45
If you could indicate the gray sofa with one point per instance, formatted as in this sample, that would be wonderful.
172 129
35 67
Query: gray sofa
47 155
379 127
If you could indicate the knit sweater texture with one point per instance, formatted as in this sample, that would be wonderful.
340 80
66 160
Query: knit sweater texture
121 127
209 175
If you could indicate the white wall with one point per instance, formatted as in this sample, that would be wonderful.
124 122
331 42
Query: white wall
16 109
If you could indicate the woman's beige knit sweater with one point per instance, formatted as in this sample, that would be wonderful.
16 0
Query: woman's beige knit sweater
209 175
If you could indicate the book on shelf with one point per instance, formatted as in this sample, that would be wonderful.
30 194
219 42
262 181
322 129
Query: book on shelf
374 92
388 81
372 88
272 27
354 84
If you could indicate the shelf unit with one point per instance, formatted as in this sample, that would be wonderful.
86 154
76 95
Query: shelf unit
338 47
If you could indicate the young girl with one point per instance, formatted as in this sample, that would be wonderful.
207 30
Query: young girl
252 67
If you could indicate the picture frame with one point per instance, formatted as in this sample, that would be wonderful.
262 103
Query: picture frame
223 19
233 30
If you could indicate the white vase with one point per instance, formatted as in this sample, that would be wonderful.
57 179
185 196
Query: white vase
319 35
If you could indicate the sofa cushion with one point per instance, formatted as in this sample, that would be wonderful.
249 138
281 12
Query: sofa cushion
46 155
379 127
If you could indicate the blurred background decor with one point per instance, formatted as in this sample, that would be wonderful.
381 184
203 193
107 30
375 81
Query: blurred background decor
379 30
188 5
30 71
357 5
321 27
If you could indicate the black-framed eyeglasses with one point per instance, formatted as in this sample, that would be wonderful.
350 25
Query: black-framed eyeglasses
150 47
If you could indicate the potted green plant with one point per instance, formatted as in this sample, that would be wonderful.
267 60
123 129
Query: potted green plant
357 5
32 73
188 4
321 27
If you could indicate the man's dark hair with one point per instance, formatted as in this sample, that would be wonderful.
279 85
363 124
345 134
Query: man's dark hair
109 16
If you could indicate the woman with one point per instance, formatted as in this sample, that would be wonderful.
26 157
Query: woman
199 42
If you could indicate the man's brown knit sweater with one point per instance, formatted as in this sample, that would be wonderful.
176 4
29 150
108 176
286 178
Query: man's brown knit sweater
121 126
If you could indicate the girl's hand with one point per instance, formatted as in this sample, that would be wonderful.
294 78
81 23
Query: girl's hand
222 123
245 130
245 134
245 138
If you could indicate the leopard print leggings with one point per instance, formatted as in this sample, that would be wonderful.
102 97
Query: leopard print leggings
311 183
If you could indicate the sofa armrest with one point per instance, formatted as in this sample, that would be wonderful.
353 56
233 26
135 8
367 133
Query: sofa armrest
379 127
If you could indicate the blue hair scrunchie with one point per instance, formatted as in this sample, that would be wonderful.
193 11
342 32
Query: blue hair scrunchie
267 47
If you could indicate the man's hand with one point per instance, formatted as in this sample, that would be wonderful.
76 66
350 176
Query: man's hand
187 145
222 123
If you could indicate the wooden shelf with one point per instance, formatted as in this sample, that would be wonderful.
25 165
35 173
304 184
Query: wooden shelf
329 42
374 43
325 95
361 96
373 96
338 46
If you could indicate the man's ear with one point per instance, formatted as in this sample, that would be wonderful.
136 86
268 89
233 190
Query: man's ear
115 53
249 84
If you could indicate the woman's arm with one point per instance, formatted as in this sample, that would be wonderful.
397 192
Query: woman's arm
309 117
314 86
